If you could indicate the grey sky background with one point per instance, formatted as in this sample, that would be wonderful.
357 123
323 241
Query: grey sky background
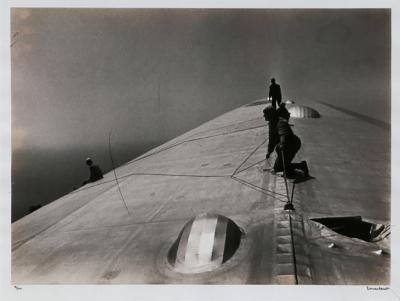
152 74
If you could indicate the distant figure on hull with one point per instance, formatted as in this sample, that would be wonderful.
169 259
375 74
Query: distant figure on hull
289 145
271 116
95 172
275 93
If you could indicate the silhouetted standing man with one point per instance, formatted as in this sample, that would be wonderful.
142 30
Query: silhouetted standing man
275 93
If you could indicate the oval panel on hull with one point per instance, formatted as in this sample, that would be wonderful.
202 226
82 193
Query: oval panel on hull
297 111
205 243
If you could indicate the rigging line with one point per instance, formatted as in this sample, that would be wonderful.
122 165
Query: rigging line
291 199
161 131
161 150
148 174
263 189
185 141
293 248
256 188
226 133
144 156
127 225
159 95
223 127
115 174
250 166
91 186
19 243
256 149
284 176
370 120
173 175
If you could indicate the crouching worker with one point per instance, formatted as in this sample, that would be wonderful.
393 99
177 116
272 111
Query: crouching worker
271 116
95 172
289 145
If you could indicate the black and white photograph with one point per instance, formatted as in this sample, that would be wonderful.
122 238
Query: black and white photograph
249 147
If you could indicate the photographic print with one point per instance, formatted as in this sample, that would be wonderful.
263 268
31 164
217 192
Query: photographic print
201 146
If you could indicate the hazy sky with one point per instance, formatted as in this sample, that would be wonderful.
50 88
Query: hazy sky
152 74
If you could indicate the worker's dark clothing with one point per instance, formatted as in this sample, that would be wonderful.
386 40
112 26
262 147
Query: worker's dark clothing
275 94
273 137
290 144
95 173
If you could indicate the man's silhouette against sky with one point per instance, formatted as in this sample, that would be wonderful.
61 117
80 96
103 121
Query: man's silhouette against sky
275 93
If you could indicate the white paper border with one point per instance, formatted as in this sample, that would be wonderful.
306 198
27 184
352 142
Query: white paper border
189 292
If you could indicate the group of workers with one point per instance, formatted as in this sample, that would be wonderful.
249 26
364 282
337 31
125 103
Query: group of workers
280 136
281 139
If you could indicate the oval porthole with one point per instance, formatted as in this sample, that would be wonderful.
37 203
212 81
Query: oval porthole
205 243
297 111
